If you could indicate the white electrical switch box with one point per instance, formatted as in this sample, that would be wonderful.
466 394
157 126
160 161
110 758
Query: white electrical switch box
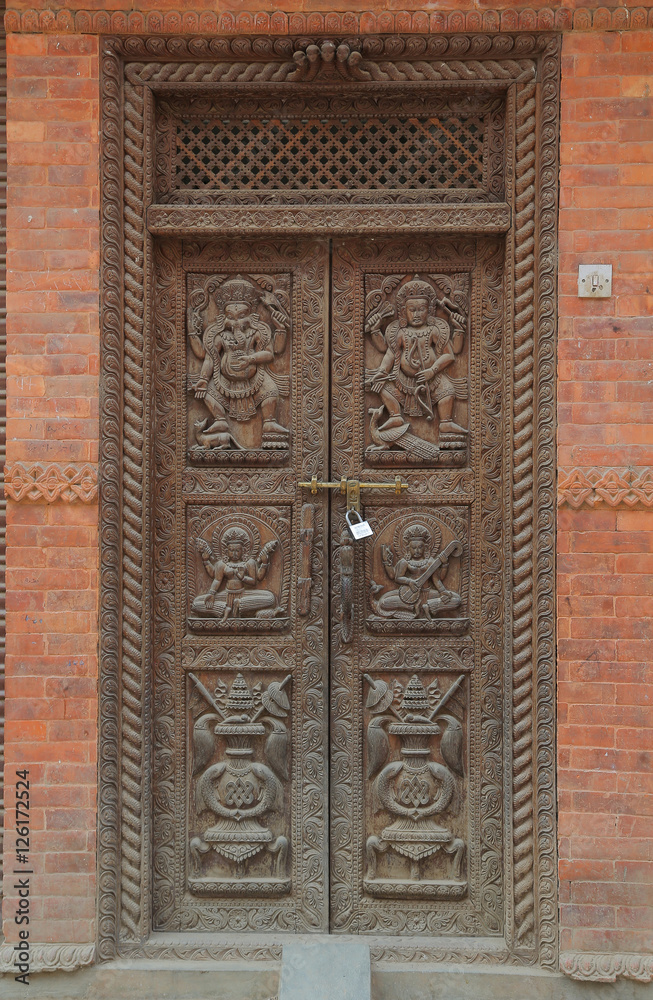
595 281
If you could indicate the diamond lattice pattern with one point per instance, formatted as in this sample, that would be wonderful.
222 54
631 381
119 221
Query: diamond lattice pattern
312 153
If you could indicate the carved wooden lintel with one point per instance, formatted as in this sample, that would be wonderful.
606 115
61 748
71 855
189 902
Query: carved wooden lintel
203 220
52 481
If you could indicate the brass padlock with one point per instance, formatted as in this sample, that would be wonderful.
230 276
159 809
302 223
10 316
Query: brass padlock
360 529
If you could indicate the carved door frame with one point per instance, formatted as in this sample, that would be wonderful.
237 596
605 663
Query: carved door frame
525 68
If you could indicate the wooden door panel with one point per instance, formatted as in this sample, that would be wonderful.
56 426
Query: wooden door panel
417 689
240 614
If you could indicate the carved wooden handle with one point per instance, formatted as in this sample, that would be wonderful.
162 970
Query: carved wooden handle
347 586
304 581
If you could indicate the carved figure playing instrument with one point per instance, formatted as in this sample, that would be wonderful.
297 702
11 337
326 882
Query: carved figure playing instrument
240 791
237 565
419 572
236 349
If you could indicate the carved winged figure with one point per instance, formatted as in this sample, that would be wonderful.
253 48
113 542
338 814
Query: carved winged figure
236 569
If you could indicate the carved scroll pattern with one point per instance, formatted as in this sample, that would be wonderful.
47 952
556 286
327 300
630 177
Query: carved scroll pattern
296 899
167 273
110 833
488 586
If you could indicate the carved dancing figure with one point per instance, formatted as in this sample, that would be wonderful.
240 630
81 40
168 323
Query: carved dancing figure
236 351
412 380
233 569
419 576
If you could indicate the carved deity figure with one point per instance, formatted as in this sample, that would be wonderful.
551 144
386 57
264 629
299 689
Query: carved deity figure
236 350
412 379
419 572
236 568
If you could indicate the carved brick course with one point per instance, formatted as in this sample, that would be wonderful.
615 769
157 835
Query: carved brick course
558 17
52 482
606 968
610 487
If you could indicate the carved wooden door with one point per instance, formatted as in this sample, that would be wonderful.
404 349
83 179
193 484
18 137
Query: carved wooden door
241 630
417 658
328 737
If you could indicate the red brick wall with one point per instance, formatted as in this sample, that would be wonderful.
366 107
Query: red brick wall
605 564
605 420
52 557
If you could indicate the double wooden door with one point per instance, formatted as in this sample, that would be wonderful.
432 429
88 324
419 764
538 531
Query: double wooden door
328 743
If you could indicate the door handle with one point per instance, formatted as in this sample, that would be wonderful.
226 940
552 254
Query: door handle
351 488
347 586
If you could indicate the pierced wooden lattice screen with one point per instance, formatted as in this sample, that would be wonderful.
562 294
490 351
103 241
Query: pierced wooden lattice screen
333 146
313 153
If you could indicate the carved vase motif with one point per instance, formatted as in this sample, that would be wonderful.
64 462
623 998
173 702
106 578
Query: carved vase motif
415 790
240 793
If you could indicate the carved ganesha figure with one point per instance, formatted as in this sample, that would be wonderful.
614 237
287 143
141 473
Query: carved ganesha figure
420 573
237 564
414 378
236 347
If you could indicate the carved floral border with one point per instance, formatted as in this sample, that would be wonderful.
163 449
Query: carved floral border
49 957
597 967
558 17
51 481
617 487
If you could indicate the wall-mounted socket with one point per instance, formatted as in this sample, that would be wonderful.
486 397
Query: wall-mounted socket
595 281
